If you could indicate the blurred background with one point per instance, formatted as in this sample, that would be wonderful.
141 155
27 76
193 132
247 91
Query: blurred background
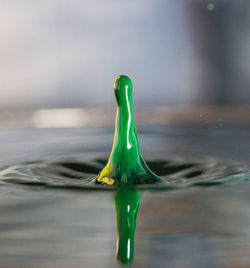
66 54
189 61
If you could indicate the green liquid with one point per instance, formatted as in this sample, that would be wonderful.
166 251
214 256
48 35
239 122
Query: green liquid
125 164
126 205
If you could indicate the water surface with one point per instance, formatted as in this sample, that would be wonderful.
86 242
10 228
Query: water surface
51 218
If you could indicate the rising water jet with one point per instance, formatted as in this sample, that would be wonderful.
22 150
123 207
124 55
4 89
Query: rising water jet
126 165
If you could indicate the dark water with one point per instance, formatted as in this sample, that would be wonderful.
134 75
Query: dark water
52 217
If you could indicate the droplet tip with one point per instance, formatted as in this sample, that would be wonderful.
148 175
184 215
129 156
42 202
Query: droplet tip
122 79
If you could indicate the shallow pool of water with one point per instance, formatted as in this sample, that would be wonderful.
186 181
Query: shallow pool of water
50 218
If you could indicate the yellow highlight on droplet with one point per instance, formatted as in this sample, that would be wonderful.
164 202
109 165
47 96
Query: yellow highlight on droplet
117 78
108 181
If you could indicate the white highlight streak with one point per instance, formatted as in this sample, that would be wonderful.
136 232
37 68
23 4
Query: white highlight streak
129 119
128 253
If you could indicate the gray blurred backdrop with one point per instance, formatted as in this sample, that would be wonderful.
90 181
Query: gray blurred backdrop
57 53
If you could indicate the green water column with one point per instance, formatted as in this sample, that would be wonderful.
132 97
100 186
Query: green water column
126 204
125 164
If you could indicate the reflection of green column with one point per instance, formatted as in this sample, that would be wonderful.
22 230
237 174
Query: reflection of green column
126 204
125 164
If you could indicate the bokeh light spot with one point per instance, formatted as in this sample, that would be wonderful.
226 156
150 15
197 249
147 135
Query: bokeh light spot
210 6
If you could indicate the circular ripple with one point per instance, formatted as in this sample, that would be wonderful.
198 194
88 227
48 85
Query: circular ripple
78 175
